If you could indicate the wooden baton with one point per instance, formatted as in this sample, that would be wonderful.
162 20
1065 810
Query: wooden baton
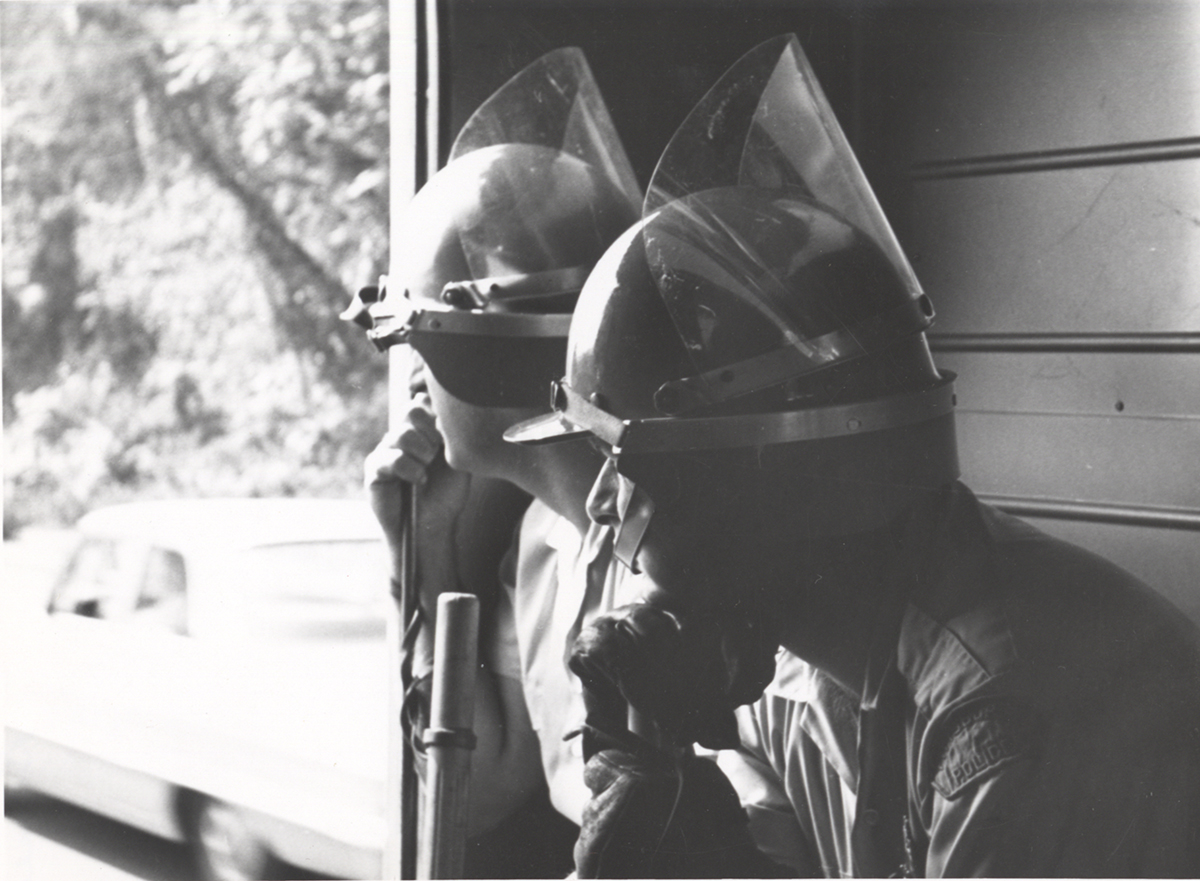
450 737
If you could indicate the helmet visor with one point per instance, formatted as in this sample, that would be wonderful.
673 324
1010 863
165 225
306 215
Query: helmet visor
492 371
766 123
553 103
758 180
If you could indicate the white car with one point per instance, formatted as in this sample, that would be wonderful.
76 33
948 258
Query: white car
213 671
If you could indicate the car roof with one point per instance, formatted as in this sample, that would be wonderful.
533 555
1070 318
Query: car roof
234 523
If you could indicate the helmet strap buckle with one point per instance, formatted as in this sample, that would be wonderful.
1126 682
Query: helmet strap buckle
479 293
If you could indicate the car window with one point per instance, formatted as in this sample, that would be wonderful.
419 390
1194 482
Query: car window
162 601
100 581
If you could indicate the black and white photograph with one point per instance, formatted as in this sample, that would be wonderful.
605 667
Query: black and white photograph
467 439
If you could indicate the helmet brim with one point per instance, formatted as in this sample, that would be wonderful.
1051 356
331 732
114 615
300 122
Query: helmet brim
549 428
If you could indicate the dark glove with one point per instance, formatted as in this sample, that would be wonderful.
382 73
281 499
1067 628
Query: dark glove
685 673
651 817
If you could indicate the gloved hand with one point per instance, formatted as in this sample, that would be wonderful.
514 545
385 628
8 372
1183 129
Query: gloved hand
686 673
652 817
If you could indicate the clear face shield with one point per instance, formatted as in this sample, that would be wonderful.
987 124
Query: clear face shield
497 245
755 200
553 103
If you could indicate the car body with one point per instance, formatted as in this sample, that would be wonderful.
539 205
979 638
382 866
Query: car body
213 671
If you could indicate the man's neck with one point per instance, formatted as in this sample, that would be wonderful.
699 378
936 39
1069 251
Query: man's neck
561 477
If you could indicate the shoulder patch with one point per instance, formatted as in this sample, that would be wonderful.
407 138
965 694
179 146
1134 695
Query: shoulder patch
984 740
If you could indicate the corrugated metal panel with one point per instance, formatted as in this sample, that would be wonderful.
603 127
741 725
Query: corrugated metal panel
1053 215
1139 384
1100 458
1110 428
1107 249
1013 77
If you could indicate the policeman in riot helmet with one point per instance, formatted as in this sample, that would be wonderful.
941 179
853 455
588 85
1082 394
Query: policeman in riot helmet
934 687
496 248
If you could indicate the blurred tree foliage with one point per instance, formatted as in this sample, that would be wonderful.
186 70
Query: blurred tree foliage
191 190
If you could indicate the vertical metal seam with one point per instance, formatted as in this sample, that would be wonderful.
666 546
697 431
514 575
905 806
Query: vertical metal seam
421 116
431 73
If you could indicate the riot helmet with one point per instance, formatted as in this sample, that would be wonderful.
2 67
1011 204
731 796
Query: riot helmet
496 246
762 308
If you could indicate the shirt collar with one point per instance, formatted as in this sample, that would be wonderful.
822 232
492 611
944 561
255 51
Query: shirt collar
563 537
793 678
596 541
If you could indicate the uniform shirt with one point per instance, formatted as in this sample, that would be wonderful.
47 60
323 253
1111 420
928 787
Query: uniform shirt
1031 709
554 584
798 769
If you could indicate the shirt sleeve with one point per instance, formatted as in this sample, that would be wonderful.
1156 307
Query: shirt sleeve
1078 803
771 816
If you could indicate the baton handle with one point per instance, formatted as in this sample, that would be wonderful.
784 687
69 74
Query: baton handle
450 737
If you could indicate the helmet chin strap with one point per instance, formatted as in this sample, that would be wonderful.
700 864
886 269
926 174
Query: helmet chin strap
636 510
